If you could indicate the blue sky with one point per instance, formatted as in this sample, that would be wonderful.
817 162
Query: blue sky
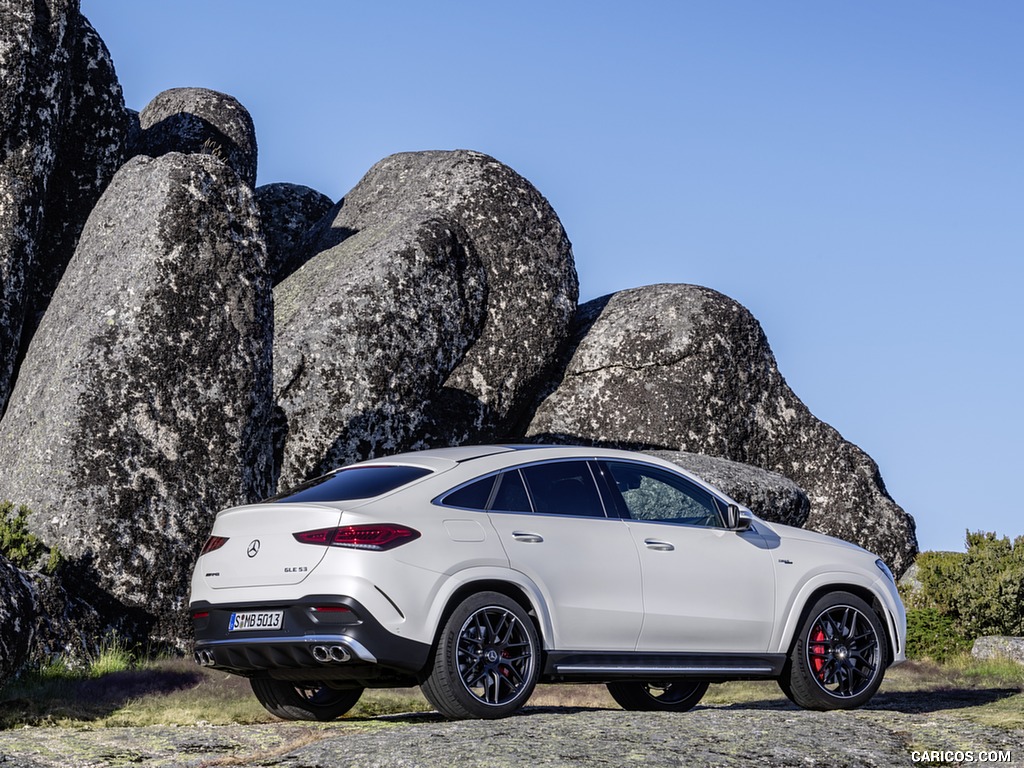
853 173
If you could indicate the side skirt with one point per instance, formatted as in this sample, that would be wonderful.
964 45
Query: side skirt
597 667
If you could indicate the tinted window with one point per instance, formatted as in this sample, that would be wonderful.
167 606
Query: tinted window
352 483
563 488
650 493
472 496
511 495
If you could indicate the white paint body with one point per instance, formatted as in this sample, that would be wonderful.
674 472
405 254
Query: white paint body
595 584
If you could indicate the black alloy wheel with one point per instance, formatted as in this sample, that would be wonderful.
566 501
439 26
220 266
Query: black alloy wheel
303 701
486 663
667 696
838 660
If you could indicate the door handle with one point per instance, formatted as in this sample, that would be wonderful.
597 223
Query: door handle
526 537
659 545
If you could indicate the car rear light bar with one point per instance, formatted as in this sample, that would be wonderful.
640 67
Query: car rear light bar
213 543
375 537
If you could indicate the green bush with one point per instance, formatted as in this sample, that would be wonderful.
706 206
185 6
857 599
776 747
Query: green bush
964 595
937 574
932 634
988 597
21 546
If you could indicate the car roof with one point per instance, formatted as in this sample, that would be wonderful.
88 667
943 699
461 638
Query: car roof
498 456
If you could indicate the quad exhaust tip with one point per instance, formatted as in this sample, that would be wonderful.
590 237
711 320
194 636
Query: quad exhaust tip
204 658
327 654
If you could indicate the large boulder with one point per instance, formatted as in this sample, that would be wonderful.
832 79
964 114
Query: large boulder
473 381
680 367
63 132
768 494
365 333
287 212
200 121
144 402
999 647
17 617
46 617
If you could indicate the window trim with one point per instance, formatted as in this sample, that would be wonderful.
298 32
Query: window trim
610 513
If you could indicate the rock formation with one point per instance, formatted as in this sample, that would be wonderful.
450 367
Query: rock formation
17 614
287 212
143 406
367 333
63 131
680 367
200 121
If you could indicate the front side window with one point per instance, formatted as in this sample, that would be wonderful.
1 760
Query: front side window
563 488
653 494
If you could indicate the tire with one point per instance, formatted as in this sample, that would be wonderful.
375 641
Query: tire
838 657
303 701
666 696
487 659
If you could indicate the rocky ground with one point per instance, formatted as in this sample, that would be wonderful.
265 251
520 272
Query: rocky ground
766 733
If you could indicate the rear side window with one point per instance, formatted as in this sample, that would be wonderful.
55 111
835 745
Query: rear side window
351 483
511 495
472 496
563 488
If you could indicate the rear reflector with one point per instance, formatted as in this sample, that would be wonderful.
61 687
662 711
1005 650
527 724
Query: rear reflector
331 609
201 615
212 543
374 536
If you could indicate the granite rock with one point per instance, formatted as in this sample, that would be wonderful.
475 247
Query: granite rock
62 135
515 299
143 404
999 647
287 212
17 616
684 368
200 121
365 333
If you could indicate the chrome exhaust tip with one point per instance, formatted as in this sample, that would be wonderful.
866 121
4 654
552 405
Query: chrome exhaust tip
321 653
340 653
204 658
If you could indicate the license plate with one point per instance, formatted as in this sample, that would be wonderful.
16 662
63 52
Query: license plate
240 622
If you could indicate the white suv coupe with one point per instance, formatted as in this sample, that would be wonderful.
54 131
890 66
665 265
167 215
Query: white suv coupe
477 572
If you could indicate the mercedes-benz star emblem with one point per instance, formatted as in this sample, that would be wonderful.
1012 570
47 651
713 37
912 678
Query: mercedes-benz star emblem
254 548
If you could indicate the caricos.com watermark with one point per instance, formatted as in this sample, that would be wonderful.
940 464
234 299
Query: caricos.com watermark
960 756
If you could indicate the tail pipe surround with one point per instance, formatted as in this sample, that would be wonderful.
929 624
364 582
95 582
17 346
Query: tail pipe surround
328 654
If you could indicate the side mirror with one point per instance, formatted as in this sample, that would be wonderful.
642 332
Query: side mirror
734 521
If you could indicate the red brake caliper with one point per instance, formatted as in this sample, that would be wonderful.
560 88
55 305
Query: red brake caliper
818 661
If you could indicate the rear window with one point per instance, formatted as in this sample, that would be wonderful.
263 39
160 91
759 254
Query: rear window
352 483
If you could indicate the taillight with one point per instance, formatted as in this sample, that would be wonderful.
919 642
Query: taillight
373 536
212 543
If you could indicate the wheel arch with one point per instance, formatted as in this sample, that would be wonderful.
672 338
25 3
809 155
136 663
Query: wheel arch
520 593
869 596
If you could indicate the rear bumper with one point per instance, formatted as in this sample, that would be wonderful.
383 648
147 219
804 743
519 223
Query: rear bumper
344 644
